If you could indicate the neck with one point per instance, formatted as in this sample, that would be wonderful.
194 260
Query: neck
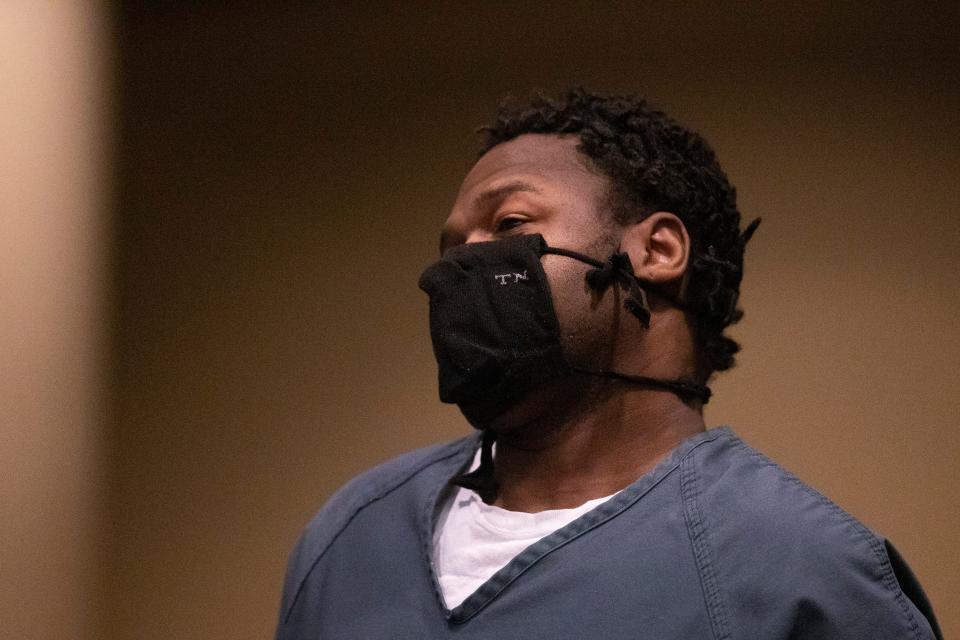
551 464
583 438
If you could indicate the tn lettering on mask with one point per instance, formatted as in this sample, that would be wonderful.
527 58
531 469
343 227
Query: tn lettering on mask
510 278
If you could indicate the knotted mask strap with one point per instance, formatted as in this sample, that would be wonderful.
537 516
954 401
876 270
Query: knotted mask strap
616 269
482 479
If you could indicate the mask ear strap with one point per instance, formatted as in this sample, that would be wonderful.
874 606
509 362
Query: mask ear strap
618 269
636 300
686 389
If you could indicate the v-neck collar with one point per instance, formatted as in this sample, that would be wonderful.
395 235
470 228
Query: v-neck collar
503 578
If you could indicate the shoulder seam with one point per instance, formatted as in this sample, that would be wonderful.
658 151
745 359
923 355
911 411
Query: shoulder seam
889 580
701 547
366 502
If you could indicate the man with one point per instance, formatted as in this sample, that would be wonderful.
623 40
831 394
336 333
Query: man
589 268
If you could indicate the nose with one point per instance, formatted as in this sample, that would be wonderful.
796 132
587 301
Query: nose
479 235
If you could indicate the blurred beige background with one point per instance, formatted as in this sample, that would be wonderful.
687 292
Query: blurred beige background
212 222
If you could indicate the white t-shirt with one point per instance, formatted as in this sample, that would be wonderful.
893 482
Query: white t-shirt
474 540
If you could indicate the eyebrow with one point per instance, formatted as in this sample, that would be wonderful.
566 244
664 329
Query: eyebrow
501 192
489 196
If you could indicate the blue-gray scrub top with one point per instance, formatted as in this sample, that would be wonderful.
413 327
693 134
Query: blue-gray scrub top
716 542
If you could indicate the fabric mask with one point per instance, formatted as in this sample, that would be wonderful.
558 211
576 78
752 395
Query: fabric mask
494 329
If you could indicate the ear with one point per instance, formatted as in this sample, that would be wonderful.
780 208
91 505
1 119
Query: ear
659 248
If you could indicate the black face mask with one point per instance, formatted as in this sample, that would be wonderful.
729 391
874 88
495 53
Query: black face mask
494 329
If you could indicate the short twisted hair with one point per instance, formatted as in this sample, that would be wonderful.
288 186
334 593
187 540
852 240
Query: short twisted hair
655 164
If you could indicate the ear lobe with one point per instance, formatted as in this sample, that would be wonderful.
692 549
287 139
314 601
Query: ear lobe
658 246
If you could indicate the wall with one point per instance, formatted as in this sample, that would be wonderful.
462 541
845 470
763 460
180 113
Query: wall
282 178
53 297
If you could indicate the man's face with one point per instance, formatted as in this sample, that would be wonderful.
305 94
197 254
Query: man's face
542 184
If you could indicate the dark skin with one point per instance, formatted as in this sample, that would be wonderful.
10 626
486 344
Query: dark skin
583 437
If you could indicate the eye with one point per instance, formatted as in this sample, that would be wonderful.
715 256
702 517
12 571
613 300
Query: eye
509 222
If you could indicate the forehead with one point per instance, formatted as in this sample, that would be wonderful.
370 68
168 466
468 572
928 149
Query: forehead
536 157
